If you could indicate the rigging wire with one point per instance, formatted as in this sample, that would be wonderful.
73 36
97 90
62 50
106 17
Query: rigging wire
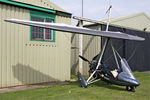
117 50
133 53
123 30
109 4
112 54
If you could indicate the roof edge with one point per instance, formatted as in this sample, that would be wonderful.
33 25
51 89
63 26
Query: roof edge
126 17
123 17
27 6
30 6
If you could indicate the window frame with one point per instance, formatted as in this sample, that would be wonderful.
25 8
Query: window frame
43 15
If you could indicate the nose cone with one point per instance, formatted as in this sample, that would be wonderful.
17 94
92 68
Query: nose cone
136 83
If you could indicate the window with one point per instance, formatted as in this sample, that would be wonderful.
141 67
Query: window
42 34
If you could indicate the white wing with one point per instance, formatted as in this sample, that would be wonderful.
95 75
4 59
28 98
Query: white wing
78 30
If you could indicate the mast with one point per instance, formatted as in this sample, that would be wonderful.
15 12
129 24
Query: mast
109 13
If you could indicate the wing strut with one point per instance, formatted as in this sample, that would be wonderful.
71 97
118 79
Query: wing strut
82 81
100 58
105 45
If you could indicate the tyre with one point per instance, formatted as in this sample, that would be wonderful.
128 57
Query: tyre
130 88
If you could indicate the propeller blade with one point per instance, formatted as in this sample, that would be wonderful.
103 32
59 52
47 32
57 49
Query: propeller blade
84 59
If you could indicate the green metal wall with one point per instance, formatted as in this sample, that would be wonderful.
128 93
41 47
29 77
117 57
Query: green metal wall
28 62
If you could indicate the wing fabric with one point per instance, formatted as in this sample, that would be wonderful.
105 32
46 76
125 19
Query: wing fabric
78 30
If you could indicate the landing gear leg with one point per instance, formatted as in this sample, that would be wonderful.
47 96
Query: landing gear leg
130 88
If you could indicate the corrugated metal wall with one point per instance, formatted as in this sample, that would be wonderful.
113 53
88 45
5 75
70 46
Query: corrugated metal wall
63 52
137 53
137 21
26 62
91 47
75 53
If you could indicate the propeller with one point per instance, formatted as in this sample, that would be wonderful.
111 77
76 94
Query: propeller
84 59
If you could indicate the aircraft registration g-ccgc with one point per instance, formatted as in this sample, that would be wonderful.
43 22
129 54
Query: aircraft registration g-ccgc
122 76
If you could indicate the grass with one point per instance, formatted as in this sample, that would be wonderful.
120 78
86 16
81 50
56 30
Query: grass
97 91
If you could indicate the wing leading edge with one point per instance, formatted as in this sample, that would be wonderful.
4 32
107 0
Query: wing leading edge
78 30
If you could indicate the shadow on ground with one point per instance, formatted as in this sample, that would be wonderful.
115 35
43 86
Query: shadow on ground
102 84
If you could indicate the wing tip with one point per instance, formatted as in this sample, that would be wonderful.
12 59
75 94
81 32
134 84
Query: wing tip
137 38
6 20
9 20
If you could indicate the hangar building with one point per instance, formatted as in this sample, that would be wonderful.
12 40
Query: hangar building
30 55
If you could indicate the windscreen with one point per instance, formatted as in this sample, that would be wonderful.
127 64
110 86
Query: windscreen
126 69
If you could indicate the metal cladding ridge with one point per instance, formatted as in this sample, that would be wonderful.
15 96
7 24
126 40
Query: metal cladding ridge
77 30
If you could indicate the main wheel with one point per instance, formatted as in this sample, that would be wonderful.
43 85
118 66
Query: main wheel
130 88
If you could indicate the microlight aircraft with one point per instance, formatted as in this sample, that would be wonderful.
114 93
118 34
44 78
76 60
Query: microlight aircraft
122 76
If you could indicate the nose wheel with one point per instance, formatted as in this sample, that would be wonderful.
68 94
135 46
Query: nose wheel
130 88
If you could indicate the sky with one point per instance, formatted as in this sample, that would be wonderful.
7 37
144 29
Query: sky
96 9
